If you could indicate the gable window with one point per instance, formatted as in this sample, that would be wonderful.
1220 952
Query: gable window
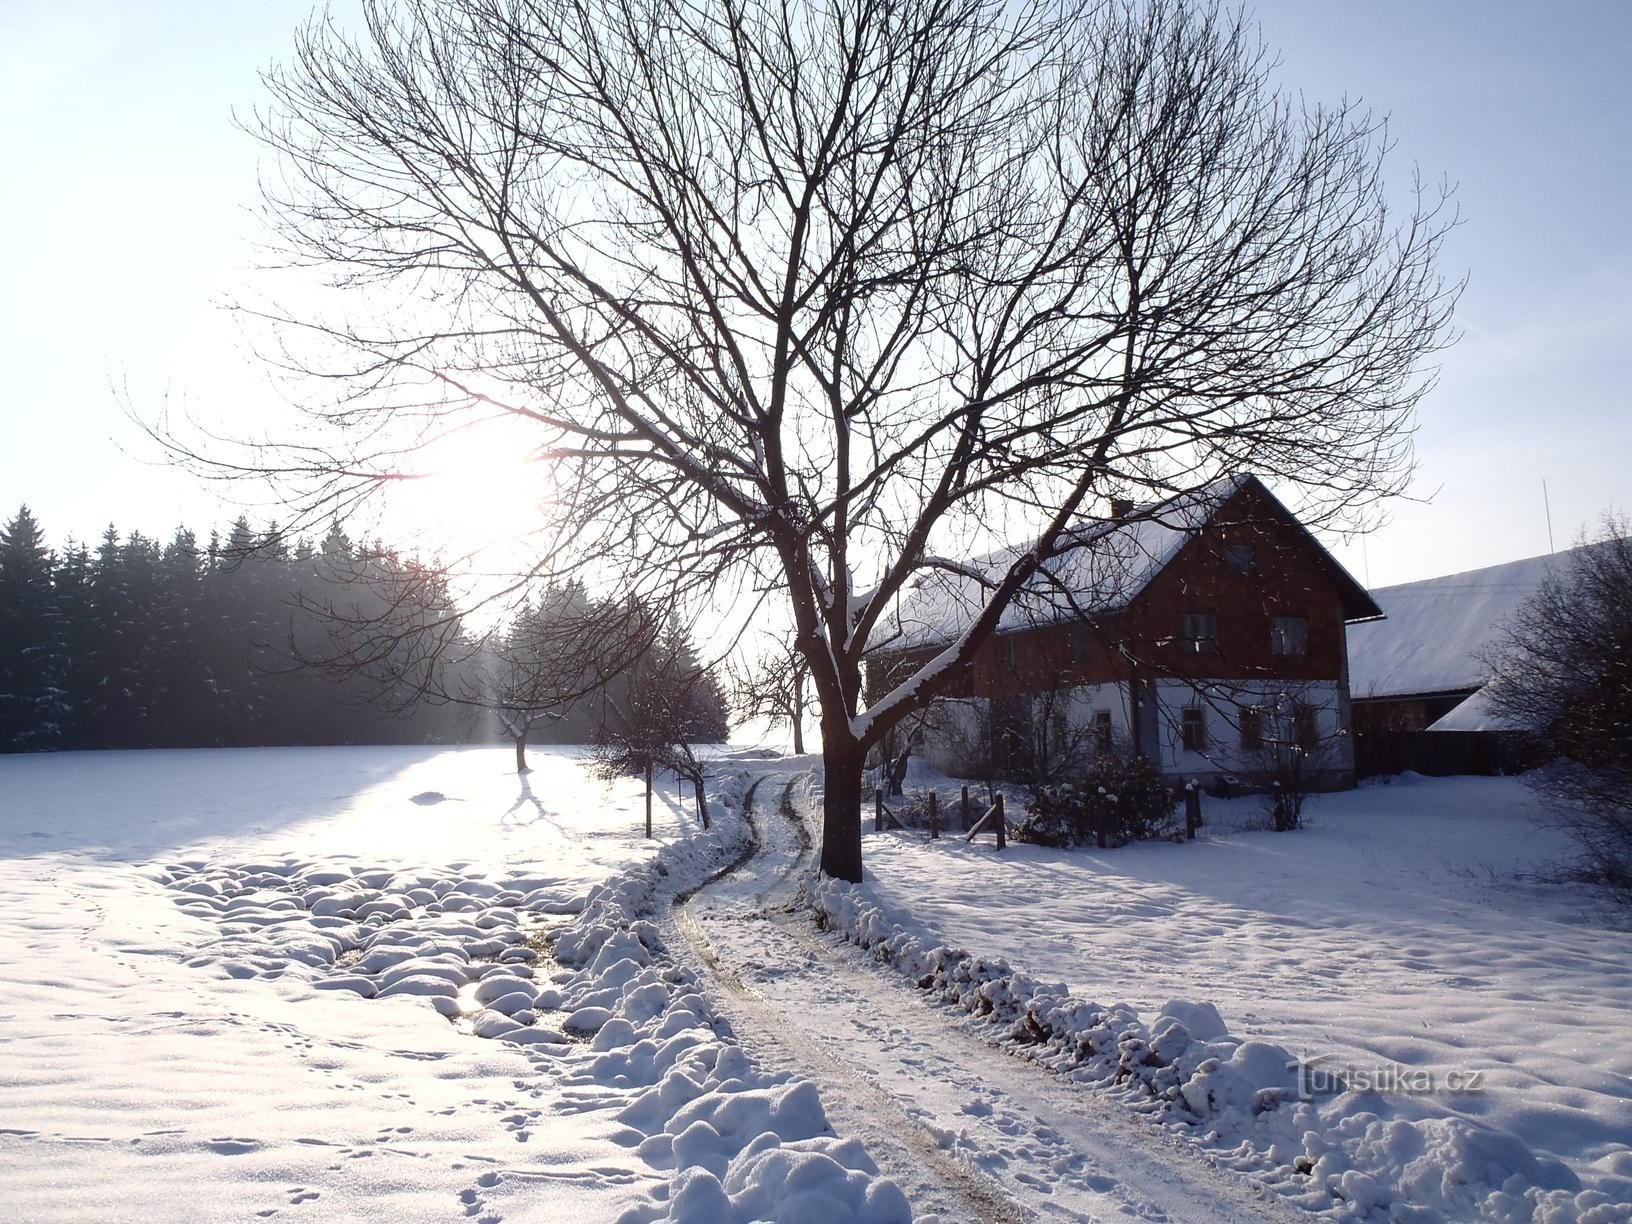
1252 728
1194 726
1006 645
1288 635
1306 726
1241 558
1198 633
1102 732
1080 643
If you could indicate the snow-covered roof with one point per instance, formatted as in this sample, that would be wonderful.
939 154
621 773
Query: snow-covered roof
1114 559
1475 714
1437 629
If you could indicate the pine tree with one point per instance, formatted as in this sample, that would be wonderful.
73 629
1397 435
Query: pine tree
31 647
71 586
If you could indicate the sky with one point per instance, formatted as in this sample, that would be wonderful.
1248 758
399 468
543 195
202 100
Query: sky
129 215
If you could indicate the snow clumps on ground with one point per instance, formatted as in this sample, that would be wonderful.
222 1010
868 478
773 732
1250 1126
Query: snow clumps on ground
1348 1154
582 985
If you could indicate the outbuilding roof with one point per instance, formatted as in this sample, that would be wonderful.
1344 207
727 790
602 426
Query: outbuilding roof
1437 629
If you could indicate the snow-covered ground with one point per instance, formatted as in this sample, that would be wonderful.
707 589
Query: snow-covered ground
379 983
1403 933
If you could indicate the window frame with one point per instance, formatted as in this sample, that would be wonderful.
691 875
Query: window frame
1197 643
1104 732
1193 728
1250 726
1079 642
1280 639
1306 725
1241 558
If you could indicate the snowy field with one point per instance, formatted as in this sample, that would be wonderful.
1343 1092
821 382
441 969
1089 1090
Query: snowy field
382 983
1404 933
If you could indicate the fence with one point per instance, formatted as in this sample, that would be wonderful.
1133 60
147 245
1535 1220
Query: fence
991 820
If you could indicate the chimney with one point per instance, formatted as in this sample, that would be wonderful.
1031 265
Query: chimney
1121 507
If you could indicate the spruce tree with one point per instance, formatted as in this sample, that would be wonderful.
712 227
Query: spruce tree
31 647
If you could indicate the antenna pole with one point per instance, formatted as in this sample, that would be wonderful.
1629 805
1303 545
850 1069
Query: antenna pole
1548 506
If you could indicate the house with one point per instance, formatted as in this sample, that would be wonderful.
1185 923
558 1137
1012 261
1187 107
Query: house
1207 632
1423 668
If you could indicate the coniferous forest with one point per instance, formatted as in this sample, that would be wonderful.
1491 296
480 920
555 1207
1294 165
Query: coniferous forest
134 644
137 644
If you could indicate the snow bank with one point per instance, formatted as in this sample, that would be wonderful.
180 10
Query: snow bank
1348 1154
742 1144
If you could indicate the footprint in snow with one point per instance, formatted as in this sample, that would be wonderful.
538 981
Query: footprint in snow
233 1147
429 798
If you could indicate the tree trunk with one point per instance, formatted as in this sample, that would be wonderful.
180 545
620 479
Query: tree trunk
702 800
842 762
648 799
521 752
798 714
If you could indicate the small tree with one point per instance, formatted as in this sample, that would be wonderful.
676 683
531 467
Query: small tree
1563 670
553 656
772 687
665 705
1294 755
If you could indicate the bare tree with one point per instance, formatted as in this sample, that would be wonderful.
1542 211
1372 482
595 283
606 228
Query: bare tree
669 703
554 656
835 292
772 687
1563 672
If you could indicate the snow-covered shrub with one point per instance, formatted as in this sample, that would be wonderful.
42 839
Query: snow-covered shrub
1118 799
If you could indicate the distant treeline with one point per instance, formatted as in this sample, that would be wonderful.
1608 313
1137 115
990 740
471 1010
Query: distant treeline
134 644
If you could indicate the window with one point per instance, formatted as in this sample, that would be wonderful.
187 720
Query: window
1306 726
1198 633
1288 635
1242 558
1006 645
1103 741
1080 643
1252 728
1195 729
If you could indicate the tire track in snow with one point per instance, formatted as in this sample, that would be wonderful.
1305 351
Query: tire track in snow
967 1131
905 1150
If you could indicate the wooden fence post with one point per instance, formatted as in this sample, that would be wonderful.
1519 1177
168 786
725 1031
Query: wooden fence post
965 811
878 809
1002 833
648 798
934 816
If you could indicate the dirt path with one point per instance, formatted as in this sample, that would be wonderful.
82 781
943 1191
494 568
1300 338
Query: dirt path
969 1133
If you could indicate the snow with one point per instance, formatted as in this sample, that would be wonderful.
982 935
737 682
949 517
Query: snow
1403 941
385 983
1476 713
1437 629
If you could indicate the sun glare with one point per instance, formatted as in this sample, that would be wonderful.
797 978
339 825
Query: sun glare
477 498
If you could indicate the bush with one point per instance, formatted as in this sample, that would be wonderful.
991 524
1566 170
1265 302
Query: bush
1116 800
1564 673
